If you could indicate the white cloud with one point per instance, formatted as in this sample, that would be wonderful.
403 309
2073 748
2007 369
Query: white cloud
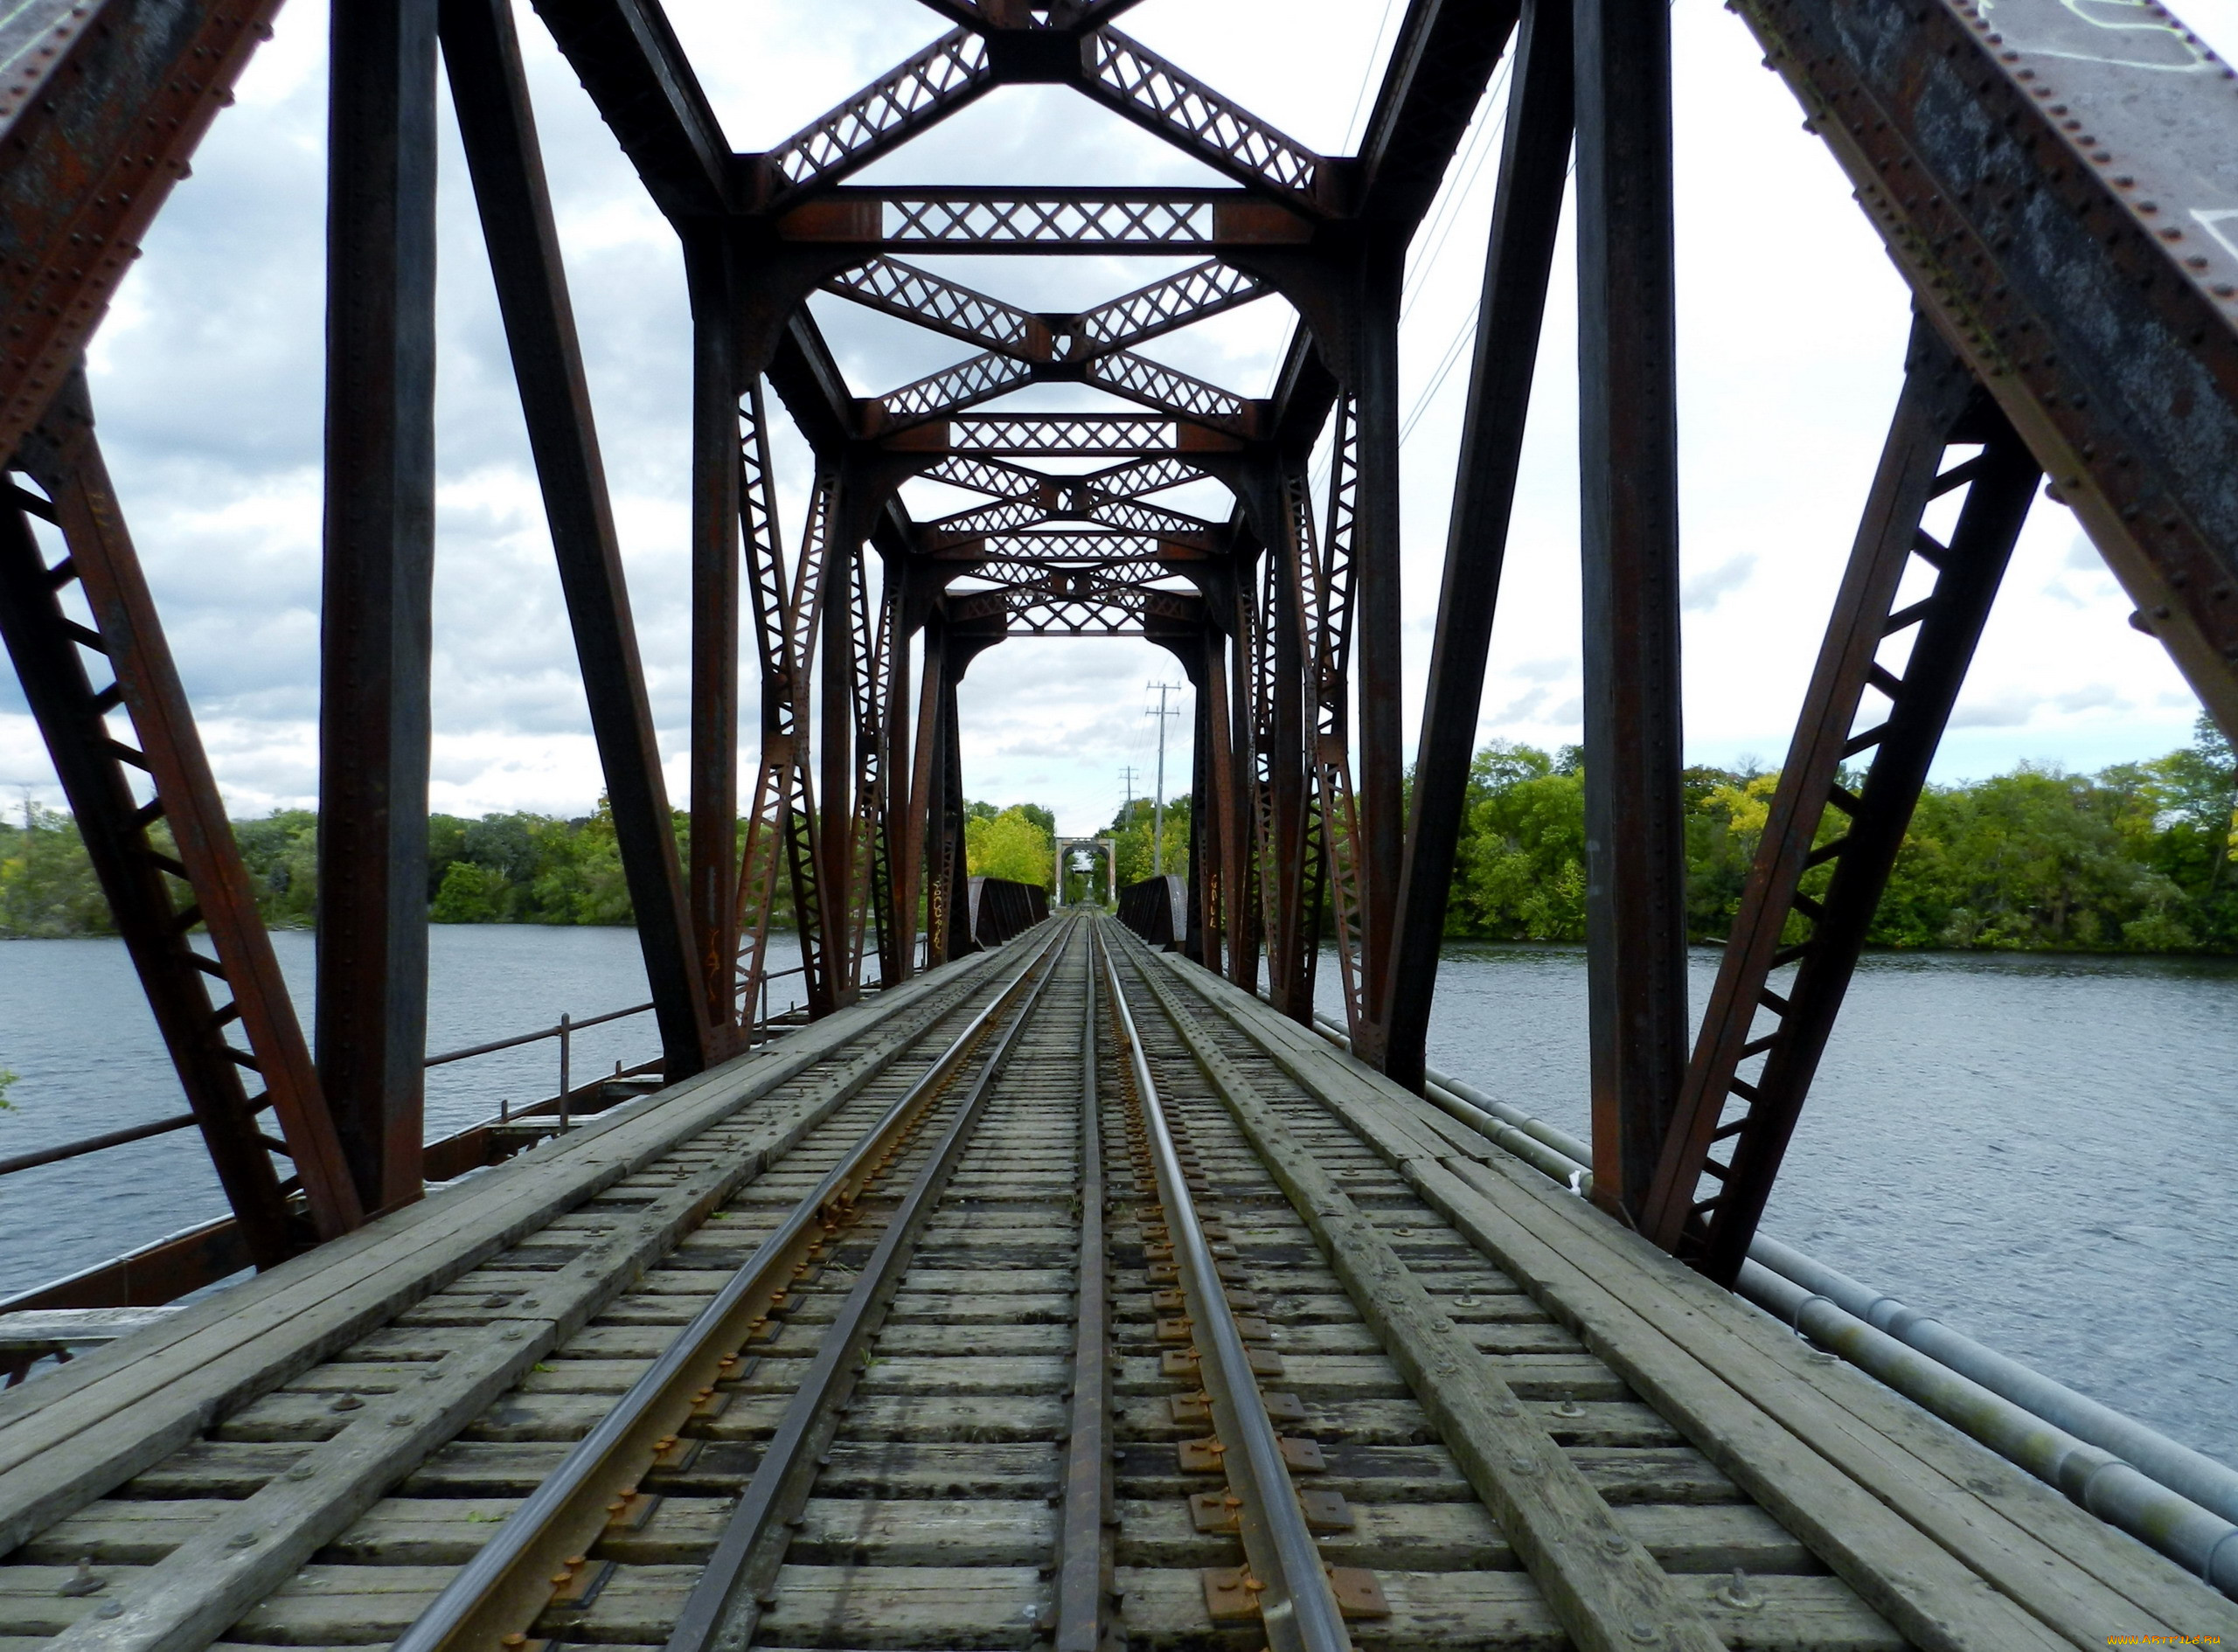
1791 333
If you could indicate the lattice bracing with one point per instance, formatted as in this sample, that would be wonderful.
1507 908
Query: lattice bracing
1006 516
1145 477
1129 517
1054 435
1044 221
1204 289
901 103
1154 384
1168 101
965 384
990 476
870 911
1068 546
930 300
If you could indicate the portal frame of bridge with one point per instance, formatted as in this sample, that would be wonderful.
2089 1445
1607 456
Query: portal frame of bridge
2054 192
1109 848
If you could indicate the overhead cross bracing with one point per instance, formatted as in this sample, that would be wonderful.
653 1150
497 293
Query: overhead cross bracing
2054 187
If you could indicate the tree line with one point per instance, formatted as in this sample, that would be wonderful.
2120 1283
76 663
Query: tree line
2139 856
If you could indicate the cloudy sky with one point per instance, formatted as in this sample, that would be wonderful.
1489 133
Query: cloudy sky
1791 328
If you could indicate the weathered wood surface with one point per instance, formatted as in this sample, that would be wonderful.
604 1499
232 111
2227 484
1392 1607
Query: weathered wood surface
1436 1317
77 1431
1958 1546
1598 1581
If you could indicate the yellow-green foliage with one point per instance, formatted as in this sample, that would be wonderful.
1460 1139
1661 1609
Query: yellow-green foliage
1011 844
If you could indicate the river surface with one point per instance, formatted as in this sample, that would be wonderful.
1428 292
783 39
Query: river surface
2038 1149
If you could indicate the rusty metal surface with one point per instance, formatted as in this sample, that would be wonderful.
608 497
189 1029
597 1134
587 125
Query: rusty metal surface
481 54
102 105
2059 186
1699 1205
200 862
1636 852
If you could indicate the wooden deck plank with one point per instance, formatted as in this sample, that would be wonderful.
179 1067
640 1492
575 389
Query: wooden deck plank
78 1432
1598 1582
1932 1596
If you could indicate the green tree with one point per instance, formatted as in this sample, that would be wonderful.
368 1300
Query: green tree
1130 834
1011 844
470 895
1521 871
281 854
47 886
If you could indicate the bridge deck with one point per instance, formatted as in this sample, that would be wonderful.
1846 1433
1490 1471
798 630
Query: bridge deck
902 1413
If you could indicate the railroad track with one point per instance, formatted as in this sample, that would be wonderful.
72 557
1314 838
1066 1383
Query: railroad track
1047 1306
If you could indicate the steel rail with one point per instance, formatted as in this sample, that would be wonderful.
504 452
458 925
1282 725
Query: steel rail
1081 1557
1303 1616
502 1588
743 1565
2157 1489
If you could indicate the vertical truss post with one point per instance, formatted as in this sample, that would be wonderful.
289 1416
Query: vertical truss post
1241 819
1216 840
1534 164
136 875
1708 1210
780 828
869 905
1200 939
712 879
1636 867
842 558
1328 582
379 568
1378 841
898 946
490 92
920 823
953 871
1292 948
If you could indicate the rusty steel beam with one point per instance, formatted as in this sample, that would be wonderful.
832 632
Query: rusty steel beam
100 109
993 220
2055 183
138 874
490 92
1133 82
626 57
1705 1208
1440 65
712 888
954 71
940 305
1534 164
1133 437
380 566
1636 859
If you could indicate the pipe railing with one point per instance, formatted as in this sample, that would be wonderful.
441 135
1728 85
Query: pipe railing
563 1030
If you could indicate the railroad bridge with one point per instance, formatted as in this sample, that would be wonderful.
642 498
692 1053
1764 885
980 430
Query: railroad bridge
1037 1284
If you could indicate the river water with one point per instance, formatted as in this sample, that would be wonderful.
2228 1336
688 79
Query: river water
2038 1149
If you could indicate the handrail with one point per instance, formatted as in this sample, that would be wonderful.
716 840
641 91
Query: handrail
94 1143
566 1024
131 1133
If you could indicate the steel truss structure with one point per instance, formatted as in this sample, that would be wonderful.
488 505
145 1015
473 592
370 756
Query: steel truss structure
2055 185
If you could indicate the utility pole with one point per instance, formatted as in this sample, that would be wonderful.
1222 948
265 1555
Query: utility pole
1157 808
1127 778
